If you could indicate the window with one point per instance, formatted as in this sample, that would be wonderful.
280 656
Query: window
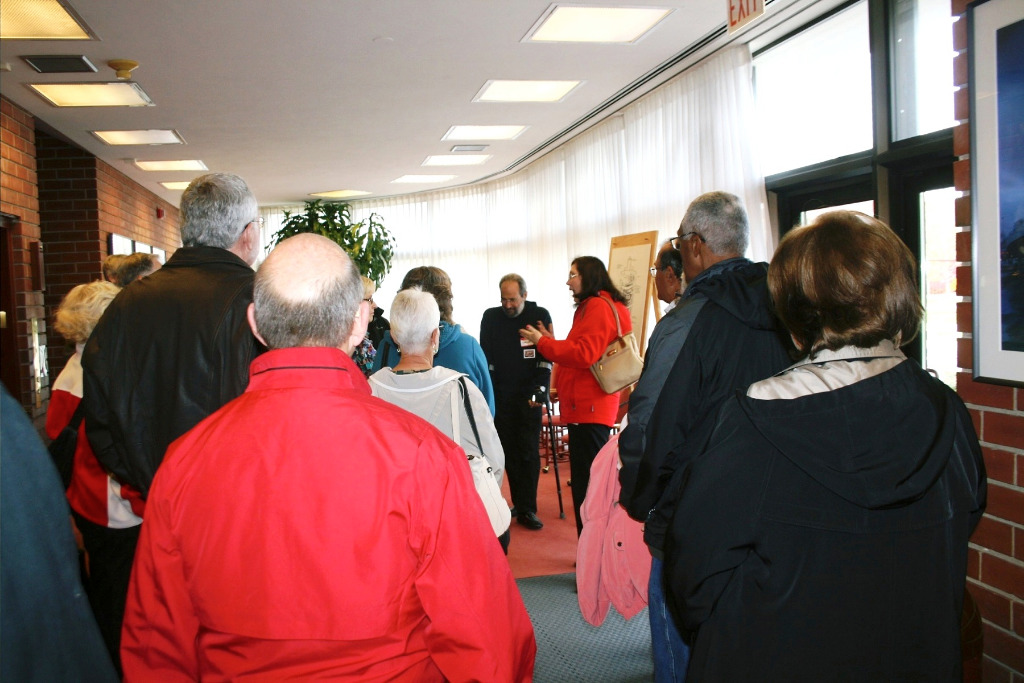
867 207
814 93
922 64
938 282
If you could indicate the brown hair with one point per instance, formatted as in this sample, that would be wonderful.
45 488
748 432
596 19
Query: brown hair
845 279
594 278
435 281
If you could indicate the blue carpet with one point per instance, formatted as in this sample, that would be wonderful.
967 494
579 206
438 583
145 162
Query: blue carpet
569 649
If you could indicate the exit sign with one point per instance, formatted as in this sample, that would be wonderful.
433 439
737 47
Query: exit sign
742 12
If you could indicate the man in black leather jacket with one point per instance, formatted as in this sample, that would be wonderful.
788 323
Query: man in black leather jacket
176 346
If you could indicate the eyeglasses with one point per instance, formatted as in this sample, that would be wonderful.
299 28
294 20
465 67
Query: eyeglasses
654 271
513 300
677 242
258 221
573 275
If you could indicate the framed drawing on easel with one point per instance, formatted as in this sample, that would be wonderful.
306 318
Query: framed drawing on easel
629 263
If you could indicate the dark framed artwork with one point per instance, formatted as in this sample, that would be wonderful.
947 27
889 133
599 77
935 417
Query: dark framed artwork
996 85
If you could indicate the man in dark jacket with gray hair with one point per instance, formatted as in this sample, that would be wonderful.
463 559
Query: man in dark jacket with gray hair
720 337
175 346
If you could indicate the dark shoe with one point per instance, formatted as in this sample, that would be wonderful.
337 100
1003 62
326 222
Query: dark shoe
530 521
514 512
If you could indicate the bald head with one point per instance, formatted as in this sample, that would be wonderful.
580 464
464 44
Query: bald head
308 293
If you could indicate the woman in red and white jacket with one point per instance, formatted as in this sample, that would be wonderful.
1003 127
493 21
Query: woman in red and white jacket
587 410
106 513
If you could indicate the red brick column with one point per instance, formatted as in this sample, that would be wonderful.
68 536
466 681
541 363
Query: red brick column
996 562
19 197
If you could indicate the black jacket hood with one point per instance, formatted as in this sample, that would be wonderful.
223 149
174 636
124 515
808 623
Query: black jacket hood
735 285
873 443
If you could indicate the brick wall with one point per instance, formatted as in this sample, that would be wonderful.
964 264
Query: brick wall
69 226
82 202
19 197
126 208
996 563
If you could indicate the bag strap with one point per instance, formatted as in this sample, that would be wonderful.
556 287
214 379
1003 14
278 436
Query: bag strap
456 422
77 416
618 325
469 412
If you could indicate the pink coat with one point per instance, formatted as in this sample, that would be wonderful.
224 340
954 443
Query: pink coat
613 565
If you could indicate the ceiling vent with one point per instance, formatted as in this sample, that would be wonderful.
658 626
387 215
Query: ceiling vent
60 64
469 148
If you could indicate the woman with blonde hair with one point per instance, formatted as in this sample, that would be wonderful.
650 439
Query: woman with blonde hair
106 512
364 354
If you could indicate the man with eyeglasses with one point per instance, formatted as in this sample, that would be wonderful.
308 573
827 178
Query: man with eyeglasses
667 272
175 346
520 377
720 337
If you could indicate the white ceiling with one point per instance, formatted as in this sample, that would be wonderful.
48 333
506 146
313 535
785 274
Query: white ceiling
316 95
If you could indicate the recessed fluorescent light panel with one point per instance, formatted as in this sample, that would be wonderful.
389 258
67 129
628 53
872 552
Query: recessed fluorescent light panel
118 94
139 137
525 91
596 24
339 194
175 165
468 148
177 184
41 20
424 179
483 132
456 159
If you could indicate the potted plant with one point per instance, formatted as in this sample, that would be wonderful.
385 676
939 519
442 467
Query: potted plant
367 242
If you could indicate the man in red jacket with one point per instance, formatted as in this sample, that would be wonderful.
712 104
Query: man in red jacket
307 529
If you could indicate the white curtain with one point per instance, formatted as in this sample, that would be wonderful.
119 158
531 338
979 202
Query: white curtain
634 172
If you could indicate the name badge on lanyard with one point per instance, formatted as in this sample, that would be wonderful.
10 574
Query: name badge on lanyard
529 350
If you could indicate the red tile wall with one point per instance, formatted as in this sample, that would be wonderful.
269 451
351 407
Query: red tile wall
72 202
19 197
996 567
82 202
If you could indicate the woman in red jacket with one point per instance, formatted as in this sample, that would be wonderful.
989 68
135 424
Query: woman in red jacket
588 411
106 513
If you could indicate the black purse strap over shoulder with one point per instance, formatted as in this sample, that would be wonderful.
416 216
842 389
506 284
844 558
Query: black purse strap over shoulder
77 416
469 411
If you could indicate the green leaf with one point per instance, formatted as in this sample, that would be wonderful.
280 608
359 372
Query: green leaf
367 242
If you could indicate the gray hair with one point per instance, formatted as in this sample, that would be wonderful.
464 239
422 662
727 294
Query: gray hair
518 279
321 316
671 258
414 317
132 267
718 217
215 209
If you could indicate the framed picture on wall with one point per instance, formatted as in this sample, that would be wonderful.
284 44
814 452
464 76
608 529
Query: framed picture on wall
996 85
629 262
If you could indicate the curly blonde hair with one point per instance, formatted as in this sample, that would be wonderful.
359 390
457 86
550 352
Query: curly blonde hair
81 309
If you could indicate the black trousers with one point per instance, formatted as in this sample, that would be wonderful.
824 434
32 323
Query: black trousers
585 440
111 552
518 426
